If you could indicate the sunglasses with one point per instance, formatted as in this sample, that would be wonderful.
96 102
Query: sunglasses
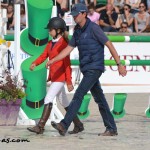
141 6
123 27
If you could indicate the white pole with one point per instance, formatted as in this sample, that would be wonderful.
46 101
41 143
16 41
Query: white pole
54 11
17 39
4 28
0 19
26 11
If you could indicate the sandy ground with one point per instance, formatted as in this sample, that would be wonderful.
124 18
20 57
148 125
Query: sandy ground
133 129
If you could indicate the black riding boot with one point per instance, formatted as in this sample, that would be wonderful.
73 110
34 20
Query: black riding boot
39 128
78 125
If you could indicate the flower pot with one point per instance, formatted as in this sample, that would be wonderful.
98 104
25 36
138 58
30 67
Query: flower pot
9 112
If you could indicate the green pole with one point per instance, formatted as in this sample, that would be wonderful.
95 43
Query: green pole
9 37
106 62
112 62
139 62
116 38
139 38
123 62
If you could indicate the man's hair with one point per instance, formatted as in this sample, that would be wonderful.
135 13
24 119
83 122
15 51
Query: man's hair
91 6
124 23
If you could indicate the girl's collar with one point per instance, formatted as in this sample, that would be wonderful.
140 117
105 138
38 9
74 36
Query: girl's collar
56 40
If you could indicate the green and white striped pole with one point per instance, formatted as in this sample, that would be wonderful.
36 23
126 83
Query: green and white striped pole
123 62
117 38
129 38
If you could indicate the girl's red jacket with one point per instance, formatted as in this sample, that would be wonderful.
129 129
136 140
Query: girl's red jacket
59 71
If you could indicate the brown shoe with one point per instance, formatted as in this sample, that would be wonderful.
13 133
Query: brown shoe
77 129
62 131
108 133
36 129
78 125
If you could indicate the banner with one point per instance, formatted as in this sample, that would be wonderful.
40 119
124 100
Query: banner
137 79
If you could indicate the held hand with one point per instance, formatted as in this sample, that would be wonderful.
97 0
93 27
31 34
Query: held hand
50 62
32 67
70 87
122 70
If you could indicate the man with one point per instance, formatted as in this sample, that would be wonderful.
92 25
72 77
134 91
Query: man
108 19
124 28
4 4
62 7
90 40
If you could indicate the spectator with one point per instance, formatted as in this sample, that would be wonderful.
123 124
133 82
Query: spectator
127 17
62 7
124 28
108 19
92 14
82 1
118 5
18 1
148 5
4 4
63 4
101 4
22 17
134 5
10 16
141 19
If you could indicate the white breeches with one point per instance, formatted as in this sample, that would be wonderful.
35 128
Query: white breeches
57 90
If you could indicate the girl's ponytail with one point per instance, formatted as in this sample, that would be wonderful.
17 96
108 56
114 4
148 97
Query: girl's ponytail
65 36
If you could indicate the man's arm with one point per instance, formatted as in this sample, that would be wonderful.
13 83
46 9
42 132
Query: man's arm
102 23
60 56
121 68
113 51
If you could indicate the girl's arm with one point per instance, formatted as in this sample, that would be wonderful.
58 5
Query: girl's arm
68 73
68 70
129 21
65 52
42 57
135 25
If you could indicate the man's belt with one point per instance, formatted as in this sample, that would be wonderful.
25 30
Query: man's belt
82 113
36 104
117 113
36 41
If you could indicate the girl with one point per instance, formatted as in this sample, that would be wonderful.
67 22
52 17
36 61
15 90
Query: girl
22 17
10 16
127 17
141 19
59 74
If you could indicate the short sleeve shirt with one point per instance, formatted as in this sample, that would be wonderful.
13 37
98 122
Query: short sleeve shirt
105 18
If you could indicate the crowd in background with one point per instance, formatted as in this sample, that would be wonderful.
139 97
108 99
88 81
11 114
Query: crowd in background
111 15
9 5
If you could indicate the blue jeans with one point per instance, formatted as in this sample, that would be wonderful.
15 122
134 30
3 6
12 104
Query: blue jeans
90 82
